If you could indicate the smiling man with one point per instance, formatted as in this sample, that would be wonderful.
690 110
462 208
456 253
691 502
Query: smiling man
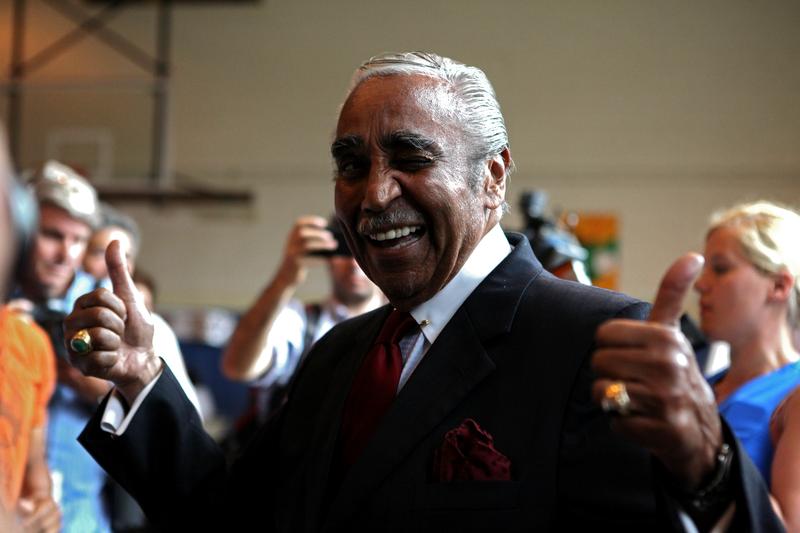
466 404
416 193
68 213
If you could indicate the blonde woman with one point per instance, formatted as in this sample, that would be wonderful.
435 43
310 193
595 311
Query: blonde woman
748 298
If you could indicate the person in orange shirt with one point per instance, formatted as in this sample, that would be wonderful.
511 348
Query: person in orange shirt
27 379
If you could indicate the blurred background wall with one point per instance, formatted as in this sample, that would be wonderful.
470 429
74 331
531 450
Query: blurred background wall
658 112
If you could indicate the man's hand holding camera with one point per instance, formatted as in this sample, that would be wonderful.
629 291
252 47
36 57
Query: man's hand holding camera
308 237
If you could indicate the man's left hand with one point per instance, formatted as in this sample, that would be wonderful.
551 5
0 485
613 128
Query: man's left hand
672 411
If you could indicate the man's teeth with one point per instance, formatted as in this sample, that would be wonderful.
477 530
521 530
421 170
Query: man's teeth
394 233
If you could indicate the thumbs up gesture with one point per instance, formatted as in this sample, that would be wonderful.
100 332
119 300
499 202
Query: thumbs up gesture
120 331
670 409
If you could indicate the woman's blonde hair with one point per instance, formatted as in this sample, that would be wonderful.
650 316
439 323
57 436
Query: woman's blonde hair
769 235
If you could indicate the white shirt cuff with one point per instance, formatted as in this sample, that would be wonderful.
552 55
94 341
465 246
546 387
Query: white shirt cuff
115 420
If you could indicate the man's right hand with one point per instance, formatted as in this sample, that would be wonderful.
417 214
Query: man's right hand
308 235
673 412
121 330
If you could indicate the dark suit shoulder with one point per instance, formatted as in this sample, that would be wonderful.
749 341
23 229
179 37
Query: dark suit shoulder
557 320
574 298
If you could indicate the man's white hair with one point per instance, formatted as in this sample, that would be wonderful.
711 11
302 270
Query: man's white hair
479 111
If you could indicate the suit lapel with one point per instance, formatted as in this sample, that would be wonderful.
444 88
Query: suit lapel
455 364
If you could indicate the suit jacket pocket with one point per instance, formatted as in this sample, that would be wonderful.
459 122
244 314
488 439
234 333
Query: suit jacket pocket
470 495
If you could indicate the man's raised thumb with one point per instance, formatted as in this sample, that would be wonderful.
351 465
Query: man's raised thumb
675 284
117 265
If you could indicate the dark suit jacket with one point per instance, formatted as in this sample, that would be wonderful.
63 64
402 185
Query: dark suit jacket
514 358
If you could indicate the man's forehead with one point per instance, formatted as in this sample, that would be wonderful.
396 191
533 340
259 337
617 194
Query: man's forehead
399 92
53 215
399 109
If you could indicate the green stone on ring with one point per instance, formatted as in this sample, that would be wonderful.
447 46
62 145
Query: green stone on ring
81 343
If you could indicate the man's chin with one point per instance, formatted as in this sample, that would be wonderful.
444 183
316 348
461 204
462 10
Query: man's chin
406 296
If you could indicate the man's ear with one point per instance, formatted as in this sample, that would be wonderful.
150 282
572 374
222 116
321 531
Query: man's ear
495 178
782 286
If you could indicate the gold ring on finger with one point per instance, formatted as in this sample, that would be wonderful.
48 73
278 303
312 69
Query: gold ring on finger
616 399
81 342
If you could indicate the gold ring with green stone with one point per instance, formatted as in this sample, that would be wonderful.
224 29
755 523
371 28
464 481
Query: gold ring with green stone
81 342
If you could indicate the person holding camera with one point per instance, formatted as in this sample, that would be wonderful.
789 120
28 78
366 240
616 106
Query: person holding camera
276 331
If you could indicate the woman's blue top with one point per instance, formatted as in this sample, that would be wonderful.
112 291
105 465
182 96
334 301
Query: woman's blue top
749 408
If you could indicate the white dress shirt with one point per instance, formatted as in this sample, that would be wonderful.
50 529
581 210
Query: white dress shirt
433 315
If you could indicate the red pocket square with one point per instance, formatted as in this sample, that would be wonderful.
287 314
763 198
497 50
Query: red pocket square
468 454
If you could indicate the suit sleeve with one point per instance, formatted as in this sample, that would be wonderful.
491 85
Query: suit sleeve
176 471
164 459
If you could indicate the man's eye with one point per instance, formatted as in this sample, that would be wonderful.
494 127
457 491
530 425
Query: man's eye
350 168
412 163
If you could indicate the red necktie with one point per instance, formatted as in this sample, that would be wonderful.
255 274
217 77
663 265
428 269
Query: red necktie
374 386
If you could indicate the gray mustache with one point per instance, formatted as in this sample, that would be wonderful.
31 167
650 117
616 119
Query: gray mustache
378 222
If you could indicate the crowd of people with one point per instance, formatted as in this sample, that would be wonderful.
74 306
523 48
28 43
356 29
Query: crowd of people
447 382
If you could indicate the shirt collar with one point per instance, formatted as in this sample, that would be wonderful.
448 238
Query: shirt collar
434 314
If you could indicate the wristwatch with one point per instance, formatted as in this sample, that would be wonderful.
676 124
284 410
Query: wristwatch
718 490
